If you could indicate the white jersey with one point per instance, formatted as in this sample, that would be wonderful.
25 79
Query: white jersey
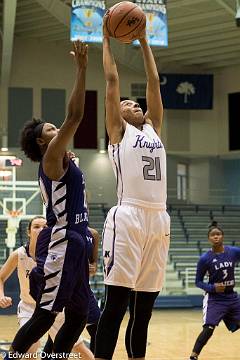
139 164
25 265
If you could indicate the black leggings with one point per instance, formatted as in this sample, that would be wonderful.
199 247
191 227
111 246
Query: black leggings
40 323
91 328
48 347
140 308
203 338
70 331
33 330
116 303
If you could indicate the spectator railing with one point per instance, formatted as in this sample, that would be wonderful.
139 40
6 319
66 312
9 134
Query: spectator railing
189 280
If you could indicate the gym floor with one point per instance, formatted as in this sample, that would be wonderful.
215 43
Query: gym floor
172 334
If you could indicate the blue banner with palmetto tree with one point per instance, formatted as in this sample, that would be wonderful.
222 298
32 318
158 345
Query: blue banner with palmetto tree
187 91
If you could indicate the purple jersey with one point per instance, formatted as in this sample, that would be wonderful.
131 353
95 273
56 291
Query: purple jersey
61 277
65 199
220 269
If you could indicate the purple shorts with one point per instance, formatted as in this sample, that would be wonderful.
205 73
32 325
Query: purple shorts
226 309
61 277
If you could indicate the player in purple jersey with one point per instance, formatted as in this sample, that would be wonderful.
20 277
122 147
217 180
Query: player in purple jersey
61 278
221 302
94 311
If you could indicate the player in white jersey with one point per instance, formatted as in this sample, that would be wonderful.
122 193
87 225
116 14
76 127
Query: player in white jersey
136 231
21 259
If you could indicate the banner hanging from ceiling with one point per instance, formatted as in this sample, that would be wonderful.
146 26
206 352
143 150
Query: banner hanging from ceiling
157 27
86 20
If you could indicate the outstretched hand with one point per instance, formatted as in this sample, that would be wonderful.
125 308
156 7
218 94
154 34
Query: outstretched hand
80 53
142 34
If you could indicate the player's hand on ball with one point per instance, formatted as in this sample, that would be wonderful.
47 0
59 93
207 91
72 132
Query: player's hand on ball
105 29
5 302
142 34
80 53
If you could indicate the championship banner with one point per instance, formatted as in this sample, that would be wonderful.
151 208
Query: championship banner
156 27
185 91
86 20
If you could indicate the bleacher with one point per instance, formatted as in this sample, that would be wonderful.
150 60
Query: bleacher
189 228
3 250
194 220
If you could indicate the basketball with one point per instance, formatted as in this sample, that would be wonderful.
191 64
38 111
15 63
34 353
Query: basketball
125 21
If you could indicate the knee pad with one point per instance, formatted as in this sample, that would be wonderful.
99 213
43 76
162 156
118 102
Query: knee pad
207 332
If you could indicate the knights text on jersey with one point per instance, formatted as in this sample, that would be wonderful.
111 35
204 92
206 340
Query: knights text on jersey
139 164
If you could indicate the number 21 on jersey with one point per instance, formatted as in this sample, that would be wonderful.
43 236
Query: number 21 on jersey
152 168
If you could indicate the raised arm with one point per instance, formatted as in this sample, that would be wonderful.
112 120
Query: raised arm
114 121
6 270
57 147
153 95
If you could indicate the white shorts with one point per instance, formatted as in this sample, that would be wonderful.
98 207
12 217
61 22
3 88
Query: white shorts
60 318
135 247
24 312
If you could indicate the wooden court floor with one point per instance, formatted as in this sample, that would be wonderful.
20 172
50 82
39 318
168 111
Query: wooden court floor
172 334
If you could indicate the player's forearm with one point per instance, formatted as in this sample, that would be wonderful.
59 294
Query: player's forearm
200 273
77 98
95 252
209 288
149 62
109 64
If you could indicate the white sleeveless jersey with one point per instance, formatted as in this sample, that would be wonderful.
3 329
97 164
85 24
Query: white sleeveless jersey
139 164
25 265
